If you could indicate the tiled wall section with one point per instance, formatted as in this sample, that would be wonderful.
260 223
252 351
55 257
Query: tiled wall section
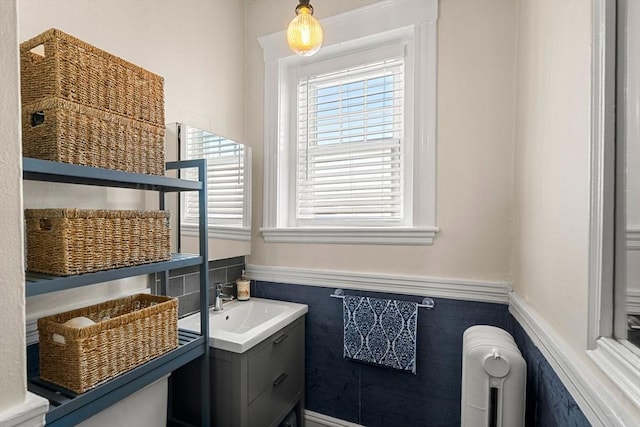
184 283
377 397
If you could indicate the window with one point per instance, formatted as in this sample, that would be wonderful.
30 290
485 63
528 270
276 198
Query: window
350 146
227 190
346 158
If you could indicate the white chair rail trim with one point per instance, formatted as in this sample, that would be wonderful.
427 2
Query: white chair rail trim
599 406
461 289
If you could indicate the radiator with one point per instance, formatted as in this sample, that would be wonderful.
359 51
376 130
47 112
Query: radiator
493 379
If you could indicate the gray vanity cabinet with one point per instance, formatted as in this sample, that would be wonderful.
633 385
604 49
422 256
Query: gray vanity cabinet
260 387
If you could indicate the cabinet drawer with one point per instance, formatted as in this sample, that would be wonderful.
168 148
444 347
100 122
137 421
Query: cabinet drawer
276 399
282 354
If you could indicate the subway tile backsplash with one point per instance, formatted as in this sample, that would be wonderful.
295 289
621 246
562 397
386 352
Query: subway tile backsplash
184 283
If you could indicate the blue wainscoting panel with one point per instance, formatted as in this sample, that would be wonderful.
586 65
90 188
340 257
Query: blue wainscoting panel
382 397
548 401
332 384
376 396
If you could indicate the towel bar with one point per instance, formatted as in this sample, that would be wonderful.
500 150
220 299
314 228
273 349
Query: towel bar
426 302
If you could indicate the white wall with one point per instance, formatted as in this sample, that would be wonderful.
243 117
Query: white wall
12 355
489 51
475 148
552 174
552 162
197 46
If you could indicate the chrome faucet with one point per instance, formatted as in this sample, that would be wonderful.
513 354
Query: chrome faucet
219 297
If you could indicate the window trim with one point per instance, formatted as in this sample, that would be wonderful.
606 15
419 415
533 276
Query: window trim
242 234
218 231
618 362
386 22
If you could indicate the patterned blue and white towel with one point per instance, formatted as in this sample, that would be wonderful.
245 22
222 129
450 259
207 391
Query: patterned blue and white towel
380 331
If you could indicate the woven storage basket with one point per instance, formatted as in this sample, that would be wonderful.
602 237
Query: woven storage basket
128 332
63 131
64 242
76 71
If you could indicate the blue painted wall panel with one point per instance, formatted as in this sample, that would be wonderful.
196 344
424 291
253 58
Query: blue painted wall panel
377 396
548 401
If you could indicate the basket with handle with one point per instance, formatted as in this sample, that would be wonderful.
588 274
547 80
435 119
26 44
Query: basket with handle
63 131
85 106
66 241
57 65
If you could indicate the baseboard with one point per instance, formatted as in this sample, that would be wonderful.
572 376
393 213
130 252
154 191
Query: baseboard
30 414
599 405
461 289
314 419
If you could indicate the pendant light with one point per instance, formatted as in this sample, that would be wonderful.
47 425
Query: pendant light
304 33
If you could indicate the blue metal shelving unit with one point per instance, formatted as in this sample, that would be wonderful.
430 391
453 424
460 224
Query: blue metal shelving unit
38 283
67 408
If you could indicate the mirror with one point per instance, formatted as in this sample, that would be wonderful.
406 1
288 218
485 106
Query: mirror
629 129
228 192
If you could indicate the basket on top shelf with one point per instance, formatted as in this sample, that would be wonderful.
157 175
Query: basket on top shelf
65 242
85 106
128 332
56 64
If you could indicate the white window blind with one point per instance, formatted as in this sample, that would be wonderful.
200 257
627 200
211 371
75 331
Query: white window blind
350 151
225 177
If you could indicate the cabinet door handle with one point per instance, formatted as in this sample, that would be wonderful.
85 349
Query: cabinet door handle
280 379
280 339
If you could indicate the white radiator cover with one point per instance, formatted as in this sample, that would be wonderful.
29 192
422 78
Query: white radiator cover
493 379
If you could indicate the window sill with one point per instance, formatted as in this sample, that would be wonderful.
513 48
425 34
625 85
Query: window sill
350 235
242 234
620 365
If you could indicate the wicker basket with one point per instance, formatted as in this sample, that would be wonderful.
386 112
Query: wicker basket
64 242
63 131
128 332
76 71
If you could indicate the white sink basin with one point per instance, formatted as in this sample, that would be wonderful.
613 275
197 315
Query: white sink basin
243 324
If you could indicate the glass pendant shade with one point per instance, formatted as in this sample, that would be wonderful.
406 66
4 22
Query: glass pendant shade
304 33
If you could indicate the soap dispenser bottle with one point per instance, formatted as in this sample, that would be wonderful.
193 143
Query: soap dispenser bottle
243 286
